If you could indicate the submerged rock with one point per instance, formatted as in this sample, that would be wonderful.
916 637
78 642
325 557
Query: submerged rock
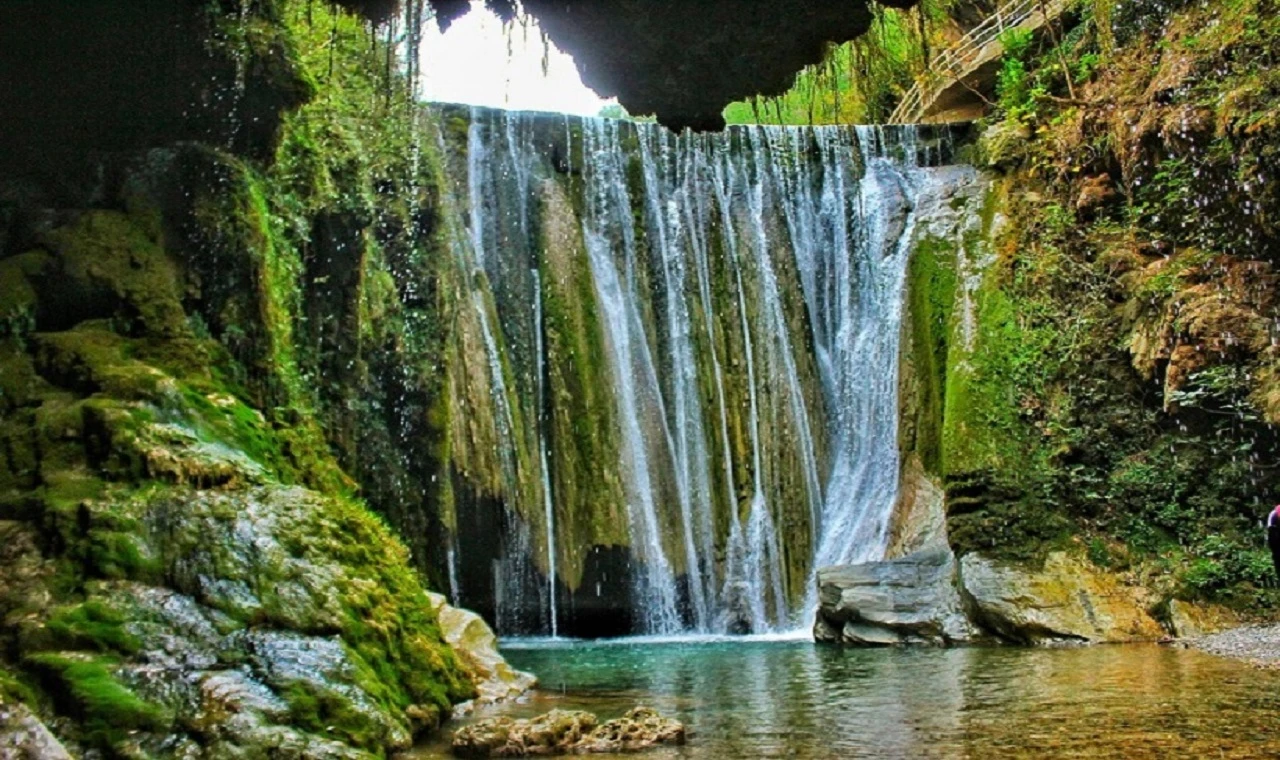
562 732
1067 600
912 600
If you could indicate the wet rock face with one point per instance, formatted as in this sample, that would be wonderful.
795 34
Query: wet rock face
562 732
477 645
912 600
686 61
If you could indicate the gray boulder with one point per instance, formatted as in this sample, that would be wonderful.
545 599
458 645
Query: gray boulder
24 737
912 600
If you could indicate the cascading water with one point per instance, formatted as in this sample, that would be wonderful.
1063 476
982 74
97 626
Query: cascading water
744 300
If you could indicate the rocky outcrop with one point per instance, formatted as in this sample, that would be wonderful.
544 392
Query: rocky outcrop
241 629
925 598
1190 620
24 737
562 732
912 600
475 642
1067 600
919 518
177 573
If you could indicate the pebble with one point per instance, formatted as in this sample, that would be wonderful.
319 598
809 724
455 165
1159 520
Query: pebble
1258 644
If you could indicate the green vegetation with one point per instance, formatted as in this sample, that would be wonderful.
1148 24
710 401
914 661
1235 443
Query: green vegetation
91 625
14 689
1119 394
185 386
86 687
859 82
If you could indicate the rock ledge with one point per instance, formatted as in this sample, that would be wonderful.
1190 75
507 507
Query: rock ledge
565 732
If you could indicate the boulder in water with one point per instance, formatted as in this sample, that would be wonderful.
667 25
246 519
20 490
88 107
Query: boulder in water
912 600
640 728
563 732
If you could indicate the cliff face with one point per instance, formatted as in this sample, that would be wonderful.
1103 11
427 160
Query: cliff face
187 564
1094 372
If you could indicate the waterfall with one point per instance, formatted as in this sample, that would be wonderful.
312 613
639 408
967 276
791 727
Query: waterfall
611 245
735 304
548 503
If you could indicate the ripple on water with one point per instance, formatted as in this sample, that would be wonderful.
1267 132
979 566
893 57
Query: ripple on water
748 698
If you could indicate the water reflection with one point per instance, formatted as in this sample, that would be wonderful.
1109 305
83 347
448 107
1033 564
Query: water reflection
771 699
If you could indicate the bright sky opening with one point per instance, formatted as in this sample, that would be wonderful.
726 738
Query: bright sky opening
480 62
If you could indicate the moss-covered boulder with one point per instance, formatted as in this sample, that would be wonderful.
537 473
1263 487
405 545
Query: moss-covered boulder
167 585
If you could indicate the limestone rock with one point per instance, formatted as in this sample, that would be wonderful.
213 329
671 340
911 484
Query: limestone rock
553 733
562 732
640 728
1068 600
903 601
475 642
24 737
920 516
1189 620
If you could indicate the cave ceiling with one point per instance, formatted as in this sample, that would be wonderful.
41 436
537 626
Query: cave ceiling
684 61
79 77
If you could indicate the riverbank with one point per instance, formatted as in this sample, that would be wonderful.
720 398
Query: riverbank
1259 645
755 698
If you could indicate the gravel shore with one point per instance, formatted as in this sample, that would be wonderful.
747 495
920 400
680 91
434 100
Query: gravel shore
1259 644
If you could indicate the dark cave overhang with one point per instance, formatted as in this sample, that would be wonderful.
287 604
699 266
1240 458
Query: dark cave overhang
79 77
685 61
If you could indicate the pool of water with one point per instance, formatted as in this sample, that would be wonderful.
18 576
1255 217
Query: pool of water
749 699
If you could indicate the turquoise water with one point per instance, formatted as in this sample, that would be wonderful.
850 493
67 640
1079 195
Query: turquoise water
763 699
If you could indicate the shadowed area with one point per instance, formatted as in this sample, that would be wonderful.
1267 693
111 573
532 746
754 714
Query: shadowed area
139 74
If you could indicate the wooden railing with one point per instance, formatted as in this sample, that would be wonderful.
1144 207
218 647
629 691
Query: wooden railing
980 45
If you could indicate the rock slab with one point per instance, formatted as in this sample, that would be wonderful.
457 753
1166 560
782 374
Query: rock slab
912 600
563 732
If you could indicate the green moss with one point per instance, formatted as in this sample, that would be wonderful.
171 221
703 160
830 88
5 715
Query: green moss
15 688
17 297
931 299
330 714
104 253
91 625
86 686
120 554
389 623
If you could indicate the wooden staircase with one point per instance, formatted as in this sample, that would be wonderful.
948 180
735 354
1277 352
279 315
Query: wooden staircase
950 71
